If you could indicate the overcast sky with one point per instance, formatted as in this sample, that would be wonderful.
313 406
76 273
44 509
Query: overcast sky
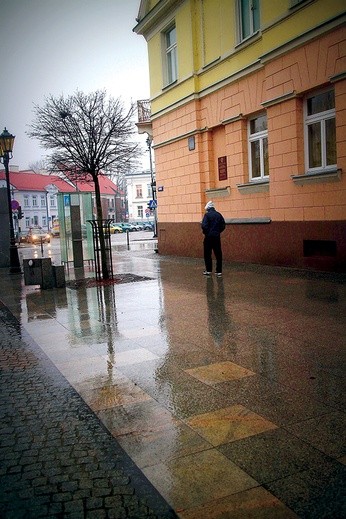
59 46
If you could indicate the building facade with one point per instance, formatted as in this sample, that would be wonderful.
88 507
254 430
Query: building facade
37 193
248 109
139 193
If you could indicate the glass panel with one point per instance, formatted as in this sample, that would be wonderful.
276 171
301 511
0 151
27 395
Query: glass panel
259 124
330 142
265 157
321 102
314 139
171 37
172 66
245 18
256 15
255 159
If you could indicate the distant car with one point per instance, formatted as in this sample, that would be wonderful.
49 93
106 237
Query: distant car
55 230
37 236
126 226
148 226
138 226
115 229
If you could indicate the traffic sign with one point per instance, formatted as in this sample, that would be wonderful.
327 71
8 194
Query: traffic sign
14 205
152 204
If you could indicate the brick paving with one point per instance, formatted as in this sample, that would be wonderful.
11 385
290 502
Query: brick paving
57 460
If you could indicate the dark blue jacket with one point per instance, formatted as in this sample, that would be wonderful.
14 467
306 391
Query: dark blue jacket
213 223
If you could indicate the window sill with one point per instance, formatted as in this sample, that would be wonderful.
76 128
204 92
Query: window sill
333 175
259 186
242 221
300 3
169 85
247 41
218 192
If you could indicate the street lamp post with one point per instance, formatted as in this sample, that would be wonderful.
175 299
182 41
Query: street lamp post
6 147
153 187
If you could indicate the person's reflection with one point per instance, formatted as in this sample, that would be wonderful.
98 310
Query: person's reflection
219 321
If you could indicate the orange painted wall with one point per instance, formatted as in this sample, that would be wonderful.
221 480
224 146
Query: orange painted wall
185 175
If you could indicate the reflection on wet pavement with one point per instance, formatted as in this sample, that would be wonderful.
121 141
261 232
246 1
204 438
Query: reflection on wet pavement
225 392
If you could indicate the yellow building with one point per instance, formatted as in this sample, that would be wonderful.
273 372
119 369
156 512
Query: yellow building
248 109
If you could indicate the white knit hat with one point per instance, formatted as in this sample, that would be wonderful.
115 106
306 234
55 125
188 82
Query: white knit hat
209 205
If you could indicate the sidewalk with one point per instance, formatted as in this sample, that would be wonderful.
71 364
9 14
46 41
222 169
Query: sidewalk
227 394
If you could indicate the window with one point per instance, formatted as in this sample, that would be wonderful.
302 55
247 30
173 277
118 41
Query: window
149 191
140 211
258 148
249 18
44 221
320 135
34 201
43 201
26 202
35 221
27 222
139 193
52 201
170 38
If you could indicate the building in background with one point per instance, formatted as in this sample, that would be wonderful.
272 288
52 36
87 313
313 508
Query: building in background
248 109
36 195
139 194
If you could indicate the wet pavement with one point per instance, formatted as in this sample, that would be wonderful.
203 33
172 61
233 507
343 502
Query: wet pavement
215 398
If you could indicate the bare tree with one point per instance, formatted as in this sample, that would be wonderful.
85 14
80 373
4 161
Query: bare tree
89 135
38 166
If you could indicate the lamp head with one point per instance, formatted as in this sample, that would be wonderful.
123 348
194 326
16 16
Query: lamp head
6 142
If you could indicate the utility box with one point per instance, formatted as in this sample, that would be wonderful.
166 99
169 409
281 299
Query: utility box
59 276
38 271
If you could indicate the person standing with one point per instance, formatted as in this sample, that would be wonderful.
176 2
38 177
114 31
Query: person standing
213 224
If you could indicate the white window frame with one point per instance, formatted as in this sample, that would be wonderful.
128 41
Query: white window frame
26 201
139 191
170 56
320 117
34 201
52 201
140 211
257 137
43 201
253 5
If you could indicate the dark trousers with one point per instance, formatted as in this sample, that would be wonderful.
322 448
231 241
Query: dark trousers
212 244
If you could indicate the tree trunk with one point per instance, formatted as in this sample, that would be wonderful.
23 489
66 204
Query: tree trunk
105 272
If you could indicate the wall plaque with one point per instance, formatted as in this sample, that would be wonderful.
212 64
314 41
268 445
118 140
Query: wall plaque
222 167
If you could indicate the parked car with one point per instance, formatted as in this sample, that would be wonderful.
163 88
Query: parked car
115 228
126 226
37 236
148 226
139 226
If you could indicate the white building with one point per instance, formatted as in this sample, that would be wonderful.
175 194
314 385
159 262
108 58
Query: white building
139 193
